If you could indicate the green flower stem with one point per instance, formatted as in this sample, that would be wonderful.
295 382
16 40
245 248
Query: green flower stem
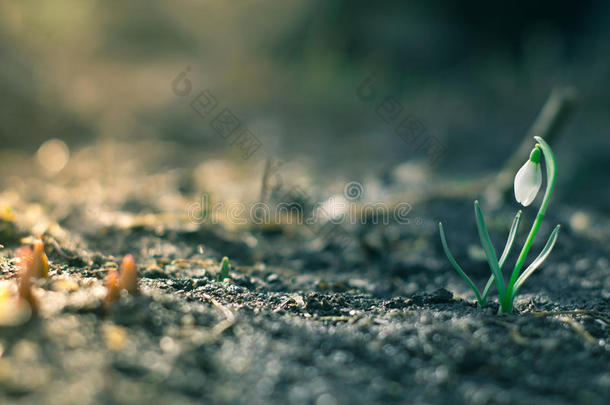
506 306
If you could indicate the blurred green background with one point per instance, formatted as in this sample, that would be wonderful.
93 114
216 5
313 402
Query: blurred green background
474 73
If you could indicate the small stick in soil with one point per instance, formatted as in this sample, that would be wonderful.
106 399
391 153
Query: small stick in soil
265 181
578 328
513 331
594 314
552 117
271 167
59 249
225 324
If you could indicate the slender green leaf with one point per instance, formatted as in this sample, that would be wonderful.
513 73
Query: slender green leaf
490 253
490 282
456 266
538 261
511 238
505 253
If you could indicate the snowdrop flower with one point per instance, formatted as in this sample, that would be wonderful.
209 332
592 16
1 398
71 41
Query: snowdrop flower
529 179
527 183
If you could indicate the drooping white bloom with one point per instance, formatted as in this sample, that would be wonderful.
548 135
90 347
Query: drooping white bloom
528 179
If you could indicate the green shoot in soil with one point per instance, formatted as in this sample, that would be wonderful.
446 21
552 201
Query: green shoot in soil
224 269
527 184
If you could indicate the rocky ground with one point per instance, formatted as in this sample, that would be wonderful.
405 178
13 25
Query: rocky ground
302 317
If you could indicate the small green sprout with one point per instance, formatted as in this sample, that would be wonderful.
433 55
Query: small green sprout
224 269
527 183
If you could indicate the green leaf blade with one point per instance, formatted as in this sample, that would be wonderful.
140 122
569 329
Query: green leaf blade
488 248
511 239
457 267
490 282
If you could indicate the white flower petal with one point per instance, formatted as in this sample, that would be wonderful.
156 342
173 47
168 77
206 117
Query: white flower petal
527 182
521 182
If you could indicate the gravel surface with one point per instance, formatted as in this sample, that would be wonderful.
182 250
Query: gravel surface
301 318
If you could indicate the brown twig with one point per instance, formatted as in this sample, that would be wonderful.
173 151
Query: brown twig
578 328
59 249
595 314
552 117
265 180
226 323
